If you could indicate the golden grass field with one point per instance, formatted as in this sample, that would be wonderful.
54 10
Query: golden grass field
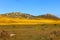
6 20
27 29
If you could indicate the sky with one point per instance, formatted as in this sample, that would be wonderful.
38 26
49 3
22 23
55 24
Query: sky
33 7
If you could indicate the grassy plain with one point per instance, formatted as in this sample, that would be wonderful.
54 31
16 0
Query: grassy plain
34 32
26 29
9 21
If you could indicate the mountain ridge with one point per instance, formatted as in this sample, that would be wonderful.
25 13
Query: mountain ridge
28 16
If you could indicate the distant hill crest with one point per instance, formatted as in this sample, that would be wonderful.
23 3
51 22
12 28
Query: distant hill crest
28 16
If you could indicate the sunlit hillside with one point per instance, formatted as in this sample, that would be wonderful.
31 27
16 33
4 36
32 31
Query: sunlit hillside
19 18
4 20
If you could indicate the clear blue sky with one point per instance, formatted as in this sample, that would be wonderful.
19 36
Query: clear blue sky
33 7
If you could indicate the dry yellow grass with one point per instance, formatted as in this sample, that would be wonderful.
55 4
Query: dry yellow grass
5 20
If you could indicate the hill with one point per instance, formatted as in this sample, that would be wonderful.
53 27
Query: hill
28 16
17 15
48 16
22 18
